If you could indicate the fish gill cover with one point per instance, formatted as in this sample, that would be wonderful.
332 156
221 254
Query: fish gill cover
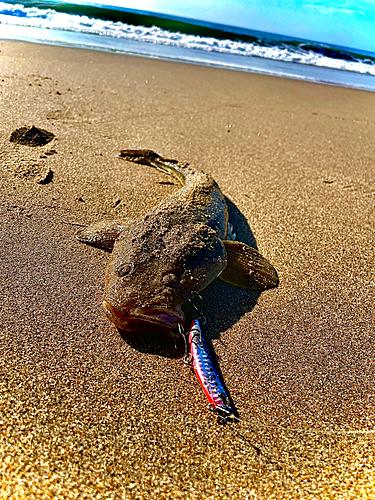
126 24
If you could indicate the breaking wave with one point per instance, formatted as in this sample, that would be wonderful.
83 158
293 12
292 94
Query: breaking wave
247 44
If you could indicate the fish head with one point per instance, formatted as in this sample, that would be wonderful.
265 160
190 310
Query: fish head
152 274
143 296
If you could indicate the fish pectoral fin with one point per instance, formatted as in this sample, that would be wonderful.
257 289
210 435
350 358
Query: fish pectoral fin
103 234
247 268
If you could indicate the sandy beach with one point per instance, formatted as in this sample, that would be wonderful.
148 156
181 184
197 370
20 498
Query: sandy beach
86 413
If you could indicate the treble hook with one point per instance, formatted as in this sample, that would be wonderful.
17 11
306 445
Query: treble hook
181 330
202 320
197 309
197 294
187 357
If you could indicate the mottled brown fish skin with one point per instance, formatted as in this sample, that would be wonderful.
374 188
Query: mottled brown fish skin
170 253
159 261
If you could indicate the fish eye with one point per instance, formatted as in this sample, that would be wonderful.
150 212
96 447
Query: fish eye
124 268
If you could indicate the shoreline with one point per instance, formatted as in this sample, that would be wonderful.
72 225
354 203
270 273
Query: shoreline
87 412
254 64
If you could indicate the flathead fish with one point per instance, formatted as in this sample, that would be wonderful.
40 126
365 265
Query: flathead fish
160 260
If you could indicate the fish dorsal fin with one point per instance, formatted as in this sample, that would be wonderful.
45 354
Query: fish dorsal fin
247 268
103 234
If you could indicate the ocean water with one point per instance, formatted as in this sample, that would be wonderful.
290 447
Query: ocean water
157 35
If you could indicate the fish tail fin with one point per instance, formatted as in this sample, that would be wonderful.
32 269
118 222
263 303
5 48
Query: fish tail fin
148 157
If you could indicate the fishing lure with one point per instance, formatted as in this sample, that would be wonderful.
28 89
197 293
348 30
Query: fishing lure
206 372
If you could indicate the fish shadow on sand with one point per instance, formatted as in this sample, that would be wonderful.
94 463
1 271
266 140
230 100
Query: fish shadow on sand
223 304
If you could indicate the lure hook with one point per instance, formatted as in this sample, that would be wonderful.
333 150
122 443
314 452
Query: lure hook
197 309
187 359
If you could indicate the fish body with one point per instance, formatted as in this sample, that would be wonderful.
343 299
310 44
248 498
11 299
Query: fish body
160 260
206 372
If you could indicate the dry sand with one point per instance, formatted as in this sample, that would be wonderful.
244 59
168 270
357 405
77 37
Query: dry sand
86 413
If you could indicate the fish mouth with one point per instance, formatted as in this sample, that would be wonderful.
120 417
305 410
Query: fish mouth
142 318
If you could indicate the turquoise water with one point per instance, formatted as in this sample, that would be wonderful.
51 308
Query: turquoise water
199 41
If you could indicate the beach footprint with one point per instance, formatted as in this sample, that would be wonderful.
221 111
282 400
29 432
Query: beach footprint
31 136
31 166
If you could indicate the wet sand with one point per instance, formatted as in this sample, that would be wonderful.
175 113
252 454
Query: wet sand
87 413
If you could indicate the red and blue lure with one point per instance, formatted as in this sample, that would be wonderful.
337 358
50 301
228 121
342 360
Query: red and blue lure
206 372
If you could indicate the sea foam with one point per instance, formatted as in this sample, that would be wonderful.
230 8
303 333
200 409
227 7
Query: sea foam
298 53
